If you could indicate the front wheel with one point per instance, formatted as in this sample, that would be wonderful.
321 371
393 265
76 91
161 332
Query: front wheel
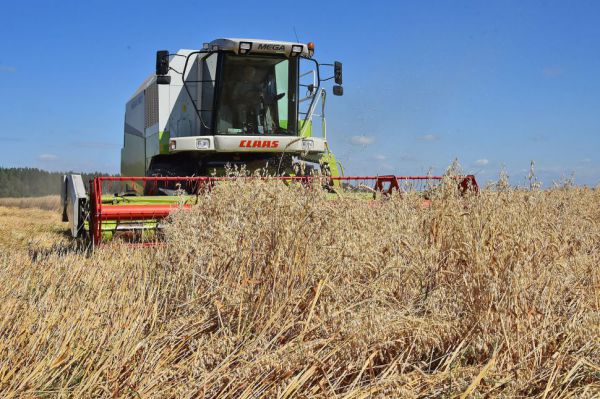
158 187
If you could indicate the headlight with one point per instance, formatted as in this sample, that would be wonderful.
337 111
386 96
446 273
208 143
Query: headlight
172 145
296 50
245 47
202 144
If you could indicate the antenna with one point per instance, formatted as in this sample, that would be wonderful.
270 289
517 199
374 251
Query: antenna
296 34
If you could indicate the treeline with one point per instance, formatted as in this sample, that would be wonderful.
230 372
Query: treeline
32 182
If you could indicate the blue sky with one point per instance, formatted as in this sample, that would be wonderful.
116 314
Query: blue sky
490 83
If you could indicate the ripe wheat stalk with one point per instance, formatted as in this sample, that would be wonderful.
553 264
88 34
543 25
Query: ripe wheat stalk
265 290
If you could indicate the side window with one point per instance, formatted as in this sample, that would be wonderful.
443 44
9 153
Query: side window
207 93
281 87
306 91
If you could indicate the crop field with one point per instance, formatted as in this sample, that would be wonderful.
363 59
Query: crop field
48 203
263 290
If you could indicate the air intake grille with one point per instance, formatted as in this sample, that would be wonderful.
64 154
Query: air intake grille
151 105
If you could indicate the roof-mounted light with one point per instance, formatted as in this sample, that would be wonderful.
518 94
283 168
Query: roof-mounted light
215 47
205 46
296 50
245 47
311 48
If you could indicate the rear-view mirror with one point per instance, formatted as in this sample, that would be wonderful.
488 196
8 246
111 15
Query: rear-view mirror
337 72
163 80
162 62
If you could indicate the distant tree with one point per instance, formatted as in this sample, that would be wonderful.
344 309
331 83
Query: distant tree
33 182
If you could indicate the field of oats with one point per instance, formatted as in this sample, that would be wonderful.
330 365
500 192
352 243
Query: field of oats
264 290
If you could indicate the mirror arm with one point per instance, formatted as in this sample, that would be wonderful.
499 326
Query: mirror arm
337 72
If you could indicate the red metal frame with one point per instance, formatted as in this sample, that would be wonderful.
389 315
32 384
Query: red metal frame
127 212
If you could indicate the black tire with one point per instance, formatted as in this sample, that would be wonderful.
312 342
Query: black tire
161 170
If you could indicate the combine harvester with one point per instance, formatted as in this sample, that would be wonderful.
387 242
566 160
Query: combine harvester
242 103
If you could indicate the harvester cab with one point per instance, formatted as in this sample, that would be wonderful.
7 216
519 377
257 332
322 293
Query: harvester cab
256 103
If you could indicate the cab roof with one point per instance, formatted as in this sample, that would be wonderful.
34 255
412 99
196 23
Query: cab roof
261 46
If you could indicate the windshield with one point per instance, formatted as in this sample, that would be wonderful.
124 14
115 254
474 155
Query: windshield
257 95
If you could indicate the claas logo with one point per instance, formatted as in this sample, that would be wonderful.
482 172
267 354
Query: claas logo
259 143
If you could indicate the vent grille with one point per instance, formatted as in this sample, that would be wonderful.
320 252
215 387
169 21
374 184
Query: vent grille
151 106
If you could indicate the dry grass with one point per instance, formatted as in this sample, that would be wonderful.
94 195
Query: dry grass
49 202
269 291
22 229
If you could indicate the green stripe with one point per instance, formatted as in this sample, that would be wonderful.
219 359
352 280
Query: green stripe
163 142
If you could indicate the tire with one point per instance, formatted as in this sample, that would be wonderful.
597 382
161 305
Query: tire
161 170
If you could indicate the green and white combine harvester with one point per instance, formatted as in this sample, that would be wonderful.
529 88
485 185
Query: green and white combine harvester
252 104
